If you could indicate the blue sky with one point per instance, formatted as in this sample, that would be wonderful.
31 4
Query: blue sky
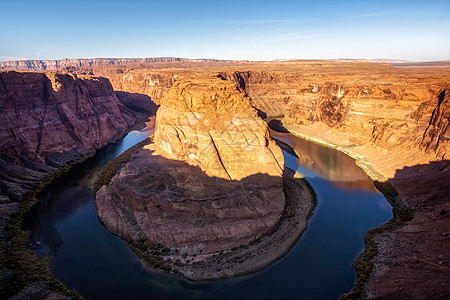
253 30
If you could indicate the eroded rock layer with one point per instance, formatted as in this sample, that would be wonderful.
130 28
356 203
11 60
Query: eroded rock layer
393 120
49 120
46 65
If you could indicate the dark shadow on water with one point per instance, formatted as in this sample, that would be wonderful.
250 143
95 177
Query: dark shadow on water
277 125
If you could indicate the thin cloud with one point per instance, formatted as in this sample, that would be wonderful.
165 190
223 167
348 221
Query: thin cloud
246 29
290 37
366 16
42 51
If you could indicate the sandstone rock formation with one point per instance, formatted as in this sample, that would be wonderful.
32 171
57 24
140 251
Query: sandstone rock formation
436 137
386 117
211 182
153 84
394 121
49 120
209 123
360 102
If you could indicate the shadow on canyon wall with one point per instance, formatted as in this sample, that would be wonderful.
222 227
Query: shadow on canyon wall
425 185
138 102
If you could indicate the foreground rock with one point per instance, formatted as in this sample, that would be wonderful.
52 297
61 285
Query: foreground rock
210 185
413 261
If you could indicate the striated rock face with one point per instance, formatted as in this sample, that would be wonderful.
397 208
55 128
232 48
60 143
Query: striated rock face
152 84
394 121
211 124
49 120
365 103
210 182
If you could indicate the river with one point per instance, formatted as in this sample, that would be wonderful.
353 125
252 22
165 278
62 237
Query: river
99 265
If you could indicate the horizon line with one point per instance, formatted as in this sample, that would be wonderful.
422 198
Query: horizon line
18 59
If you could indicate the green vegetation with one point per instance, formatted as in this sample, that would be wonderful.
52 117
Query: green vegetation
364 264
19 266
102 176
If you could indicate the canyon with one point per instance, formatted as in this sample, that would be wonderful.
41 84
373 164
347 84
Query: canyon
393 120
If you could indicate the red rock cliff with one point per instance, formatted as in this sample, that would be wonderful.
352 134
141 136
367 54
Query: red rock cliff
436 137
49 120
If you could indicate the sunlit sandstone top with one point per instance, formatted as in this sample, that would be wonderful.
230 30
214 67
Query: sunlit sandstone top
208 122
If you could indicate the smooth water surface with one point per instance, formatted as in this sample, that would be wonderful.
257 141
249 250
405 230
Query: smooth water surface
100 265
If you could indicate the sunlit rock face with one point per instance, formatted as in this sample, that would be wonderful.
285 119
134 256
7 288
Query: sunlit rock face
212 178
364 103
436 137
209 123
50 119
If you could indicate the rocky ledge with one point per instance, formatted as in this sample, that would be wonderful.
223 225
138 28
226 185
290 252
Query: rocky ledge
208 199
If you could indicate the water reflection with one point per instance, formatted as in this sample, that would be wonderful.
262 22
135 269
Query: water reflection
337 167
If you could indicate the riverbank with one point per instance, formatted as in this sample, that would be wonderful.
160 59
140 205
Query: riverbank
417 188
22 272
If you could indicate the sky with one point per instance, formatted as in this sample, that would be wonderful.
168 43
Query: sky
248 30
